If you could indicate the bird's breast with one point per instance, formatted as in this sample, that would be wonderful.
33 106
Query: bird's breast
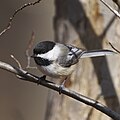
56 71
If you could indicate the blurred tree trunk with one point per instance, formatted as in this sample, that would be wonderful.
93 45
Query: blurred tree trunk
80 23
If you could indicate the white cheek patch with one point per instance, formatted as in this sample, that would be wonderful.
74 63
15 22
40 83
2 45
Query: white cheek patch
52 54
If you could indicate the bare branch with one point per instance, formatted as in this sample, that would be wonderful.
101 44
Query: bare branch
30 44
19 65
16 12
117 2
32 78
114 47
114 11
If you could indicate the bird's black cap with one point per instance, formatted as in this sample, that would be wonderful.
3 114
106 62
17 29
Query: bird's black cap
43 47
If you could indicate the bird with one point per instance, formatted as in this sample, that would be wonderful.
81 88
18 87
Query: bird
58 60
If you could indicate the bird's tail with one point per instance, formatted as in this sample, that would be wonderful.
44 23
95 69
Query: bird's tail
96 53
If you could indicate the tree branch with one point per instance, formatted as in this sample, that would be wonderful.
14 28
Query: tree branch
15 13
114 48
114 11
117 2
24 75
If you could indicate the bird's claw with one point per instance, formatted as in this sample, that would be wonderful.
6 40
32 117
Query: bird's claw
61 88
41 79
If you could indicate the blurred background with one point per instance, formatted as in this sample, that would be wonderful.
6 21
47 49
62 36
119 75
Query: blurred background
21 100
86 24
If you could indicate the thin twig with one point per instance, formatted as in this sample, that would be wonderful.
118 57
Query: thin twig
14 14
114 11
19 65
30 44
117 2
114 47
32 78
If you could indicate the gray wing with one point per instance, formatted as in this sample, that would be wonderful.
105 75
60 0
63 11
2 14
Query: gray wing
74 54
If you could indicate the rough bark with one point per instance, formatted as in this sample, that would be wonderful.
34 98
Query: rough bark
80 23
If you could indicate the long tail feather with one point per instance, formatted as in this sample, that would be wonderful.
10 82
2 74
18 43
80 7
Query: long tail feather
96 53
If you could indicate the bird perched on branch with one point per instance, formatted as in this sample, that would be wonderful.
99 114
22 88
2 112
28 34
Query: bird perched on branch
58 60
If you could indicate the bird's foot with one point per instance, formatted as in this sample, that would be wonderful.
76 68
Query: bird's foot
41 79
61 88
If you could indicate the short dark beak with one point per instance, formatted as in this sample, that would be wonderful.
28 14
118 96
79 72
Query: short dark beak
32 56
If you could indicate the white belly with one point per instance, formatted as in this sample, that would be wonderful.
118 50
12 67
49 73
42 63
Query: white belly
55 70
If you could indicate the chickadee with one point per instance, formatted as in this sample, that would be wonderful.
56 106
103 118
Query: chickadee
58 60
